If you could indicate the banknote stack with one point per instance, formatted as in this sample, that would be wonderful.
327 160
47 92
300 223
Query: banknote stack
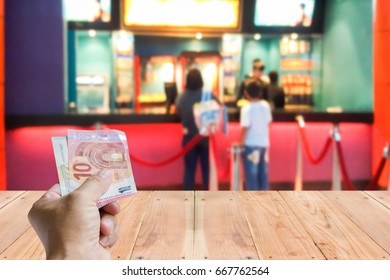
83 153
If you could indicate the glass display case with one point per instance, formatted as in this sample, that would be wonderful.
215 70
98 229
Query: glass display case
209 64
123 47
154 73
92 94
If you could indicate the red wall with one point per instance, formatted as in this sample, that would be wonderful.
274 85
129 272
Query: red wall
381 128
31 165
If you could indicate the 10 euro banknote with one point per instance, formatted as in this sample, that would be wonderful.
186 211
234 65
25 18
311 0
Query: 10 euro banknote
84 152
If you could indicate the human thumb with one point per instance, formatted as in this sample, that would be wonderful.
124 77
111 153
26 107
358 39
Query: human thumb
96 185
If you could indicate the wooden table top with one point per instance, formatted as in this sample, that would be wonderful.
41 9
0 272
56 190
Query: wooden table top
227 225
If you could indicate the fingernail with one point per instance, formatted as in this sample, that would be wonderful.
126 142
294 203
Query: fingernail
104 240
106 174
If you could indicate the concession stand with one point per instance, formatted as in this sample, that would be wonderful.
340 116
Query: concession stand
121 64
122 68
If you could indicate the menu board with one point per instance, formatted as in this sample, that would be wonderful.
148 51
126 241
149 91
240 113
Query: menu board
298 68
182 14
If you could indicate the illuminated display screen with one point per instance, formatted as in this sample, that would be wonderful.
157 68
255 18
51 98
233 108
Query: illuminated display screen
87 10
182 13
297 13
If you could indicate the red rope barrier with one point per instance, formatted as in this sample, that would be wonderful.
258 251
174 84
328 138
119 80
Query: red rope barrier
194 141
308 151
344 173
374 181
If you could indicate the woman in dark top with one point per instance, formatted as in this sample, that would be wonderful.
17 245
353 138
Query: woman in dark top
184 108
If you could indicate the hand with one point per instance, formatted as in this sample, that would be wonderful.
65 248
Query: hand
266 156
72 227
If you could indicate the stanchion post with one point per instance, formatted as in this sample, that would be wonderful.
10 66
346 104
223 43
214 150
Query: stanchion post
298 165
213 176
235 164
97 125
336 181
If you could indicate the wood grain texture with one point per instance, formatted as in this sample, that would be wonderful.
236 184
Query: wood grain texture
26 247
14 221
167 230
276 232
226 225
8 196
221 229
381 196
335 234
130 220
367 213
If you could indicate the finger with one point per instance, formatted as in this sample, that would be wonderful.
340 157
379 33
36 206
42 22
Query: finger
96 185
53 193
38 209
107 224
112 208
107 241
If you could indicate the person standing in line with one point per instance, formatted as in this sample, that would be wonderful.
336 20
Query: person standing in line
276 93
184 108
255 119
257 75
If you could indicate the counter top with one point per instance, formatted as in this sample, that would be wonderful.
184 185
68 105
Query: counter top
225 225
15 121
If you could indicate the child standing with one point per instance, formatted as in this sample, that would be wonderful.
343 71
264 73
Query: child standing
254 120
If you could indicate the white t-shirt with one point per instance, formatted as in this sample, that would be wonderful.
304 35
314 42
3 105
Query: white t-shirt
256 116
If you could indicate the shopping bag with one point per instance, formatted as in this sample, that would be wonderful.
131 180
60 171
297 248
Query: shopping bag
207 115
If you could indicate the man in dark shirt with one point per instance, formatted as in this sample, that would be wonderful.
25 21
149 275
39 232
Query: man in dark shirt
276 93
257 75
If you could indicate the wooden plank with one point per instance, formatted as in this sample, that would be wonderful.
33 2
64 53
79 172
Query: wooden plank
221 229
335 234
8 196
276 231
167 230
369 214
130 219
14 221
381 196
26 247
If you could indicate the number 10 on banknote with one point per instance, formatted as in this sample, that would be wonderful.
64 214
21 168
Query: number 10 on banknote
84 152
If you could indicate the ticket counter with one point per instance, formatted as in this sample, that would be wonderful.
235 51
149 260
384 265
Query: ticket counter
155 138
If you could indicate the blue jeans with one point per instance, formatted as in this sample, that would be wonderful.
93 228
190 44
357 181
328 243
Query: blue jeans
199 152
255 168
